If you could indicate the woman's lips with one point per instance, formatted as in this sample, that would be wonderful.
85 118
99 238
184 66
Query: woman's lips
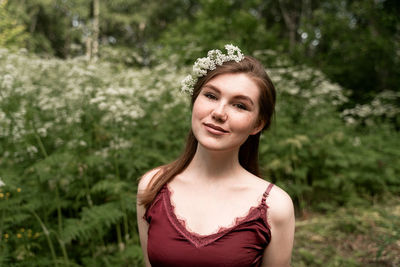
214 129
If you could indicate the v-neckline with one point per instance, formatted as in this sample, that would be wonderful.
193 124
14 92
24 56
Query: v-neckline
201 240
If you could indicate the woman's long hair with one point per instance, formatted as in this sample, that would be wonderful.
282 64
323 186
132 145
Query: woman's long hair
248 152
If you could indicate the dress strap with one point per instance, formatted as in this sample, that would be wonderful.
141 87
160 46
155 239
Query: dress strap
266 193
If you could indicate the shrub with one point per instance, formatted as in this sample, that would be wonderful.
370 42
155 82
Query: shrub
75 137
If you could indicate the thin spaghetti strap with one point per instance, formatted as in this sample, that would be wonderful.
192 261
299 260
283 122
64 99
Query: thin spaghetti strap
266 193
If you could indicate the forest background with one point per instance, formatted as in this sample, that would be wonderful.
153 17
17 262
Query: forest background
89 101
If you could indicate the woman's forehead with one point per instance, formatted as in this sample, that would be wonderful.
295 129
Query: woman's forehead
234 84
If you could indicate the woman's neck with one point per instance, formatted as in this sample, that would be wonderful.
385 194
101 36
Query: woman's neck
214 166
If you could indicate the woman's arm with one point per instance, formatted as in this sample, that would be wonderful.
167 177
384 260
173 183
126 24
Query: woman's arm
282 222
140 211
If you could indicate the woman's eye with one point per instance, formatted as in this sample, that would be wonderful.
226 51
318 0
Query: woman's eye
211 96
241 106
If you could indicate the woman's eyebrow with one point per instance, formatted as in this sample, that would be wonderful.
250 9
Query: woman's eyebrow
212 87
243 97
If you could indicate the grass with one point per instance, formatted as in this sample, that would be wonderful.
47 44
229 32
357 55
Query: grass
350 236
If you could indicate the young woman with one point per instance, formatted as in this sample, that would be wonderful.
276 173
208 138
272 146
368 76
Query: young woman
210 207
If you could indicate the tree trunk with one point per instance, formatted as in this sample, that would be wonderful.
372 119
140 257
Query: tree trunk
95 38
88 45
290 21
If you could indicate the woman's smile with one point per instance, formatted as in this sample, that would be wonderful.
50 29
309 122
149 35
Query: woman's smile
226 112
214 129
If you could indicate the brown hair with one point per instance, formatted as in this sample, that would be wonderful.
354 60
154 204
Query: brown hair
248 152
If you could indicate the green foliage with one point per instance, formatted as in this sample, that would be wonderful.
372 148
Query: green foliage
214 24
75 139
79 134
313 155
94 220
12 33
362 235
355 44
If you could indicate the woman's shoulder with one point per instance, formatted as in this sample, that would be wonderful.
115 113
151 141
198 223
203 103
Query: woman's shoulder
280 205
146 178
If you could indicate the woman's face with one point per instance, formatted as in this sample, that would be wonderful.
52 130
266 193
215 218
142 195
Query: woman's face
226 112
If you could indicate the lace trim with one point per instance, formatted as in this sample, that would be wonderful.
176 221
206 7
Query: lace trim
156 199
200 240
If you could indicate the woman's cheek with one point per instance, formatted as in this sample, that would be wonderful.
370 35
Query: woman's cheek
243 122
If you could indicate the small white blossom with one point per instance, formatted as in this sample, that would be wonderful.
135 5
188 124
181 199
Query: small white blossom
294 90
234 52
42 132
32 150
187 84
350 120
113 108
102 106
2 183
203 65
356 141
8 81
216 56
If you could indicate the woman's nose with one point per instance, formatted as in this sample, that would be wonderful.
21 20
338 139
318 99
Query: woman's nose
219 113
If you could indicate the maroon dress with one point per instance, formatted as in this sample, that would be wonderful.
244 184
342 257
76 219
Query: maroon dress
170 243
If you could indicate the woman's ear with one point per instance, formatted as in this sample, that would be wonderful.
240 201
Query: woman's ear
258 127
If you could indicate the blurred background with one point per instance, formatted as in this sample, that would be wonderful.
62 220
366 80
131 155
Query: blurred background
89 101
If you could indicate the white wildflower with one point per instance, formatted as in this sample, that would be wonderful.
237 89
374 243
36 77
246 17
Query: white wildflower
113 108
350 120
2 183
134 114
32 150
356 141
8 81
111 91
187 84
234 52
42 132
294 90
216 56
102 106
203 65
119 103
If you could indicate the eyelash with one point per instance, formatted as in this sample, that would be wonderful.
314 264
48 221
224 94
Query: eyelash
241 106
238 105
210 96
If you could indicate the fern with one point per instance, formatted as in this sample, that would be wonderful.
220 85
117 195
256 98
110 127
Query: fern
94 220
110 186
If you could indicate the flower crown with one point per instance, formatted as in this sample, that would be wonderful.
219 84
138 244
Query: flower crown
203 65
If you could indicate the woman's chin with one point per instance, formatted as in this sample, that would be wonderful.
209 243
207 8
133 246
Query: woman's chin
218 146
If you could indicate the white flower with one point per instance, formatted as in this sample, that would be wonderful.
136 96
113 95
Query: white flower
203 65
32 150
42 131
356 141
2 183
294 90
103 106
187 84
350 120
113 108
234 52
216 56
